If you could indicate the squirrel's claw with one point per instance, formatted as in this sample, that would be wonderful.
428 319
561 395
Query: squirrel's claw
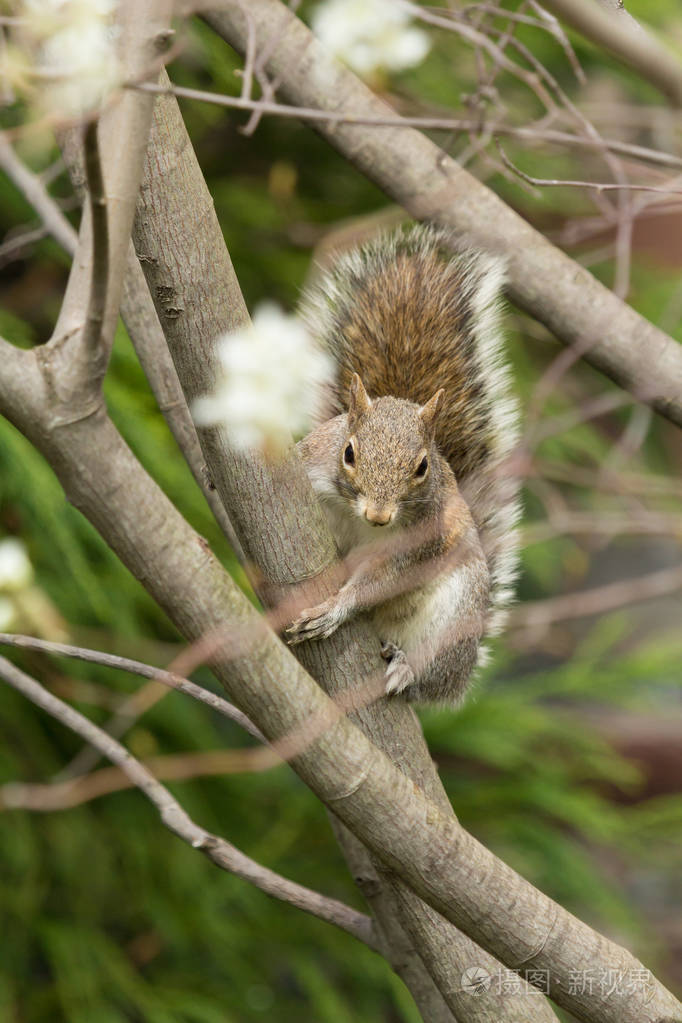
399 674
314 623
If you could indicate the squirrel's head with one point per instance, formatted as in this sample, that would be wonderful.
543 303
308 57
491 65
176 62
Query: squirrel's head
389 456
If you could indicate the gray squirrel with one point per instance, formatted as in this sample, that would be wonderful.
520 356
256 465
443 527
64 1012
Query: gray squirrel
409 459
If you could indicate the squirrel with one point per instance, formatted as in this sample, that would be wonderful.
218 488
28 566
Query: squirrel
410 451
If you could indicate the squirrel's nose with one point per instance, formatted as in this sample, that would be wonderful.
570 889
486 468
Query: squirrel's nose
378 516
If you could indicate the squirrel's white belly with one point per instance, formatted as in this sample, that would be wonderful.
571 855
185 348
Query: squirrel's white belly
430 618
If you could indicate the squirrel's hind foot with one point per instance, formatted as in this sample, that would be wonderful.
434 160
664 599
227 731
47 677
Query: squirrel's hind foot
399 674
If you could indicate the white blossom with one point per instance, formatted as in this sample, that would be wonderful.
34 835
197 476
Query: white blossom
370 34
273 376
16 571
84 64
63 55
6 614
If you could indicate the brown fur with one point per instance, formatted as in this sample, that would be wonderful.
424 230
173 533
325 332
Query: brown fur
405 333
418 423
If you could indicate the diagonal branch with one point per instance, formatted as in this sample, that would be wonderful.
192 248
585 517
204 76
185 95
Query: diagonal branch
273 509
431 186
623 37
218 850
539 614
163 676
421 843
33 189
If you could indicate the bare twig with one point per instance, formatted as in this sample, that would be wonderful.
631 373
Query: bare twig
166 677
83 788
249 57
575 523
486 44
34 190
553 26
598 186
219 851
584 125
533 133
13 246
600 599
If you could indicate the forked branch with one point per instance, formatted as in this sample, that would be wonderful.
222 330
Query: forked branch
218 850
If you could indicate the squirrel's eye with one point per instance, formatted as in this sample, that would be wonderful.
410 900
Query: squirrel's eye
349 455
420 471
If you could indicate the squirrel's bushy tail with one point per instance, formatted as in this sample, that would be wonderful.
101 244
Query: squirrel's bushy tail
411 317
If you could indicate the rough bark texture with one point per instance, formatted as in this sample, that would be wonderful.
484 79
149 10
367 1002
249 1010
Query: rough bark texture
431 186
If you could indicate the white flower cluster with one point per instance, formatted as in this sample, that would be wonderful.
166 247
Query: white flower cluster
16 574
370 35
62 54
273 378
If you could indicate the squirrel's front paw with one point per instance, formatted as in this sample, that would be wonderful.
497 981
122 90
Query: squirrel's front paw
315 623
399 674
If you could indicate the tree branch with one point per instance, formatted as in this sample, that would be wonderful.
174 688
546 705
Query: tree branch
142 324
535 134
431 186
640 50
164 677
78 352
83 788
34 191
99 217
538 614
278 520
222 853
144 329
442 863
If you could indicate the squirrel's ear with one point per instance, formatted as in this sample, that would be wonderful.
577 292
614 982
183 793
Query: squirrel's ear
429 412
358 400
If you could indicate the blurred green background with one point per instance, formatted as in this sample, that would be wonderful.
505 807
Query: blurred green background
566 759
